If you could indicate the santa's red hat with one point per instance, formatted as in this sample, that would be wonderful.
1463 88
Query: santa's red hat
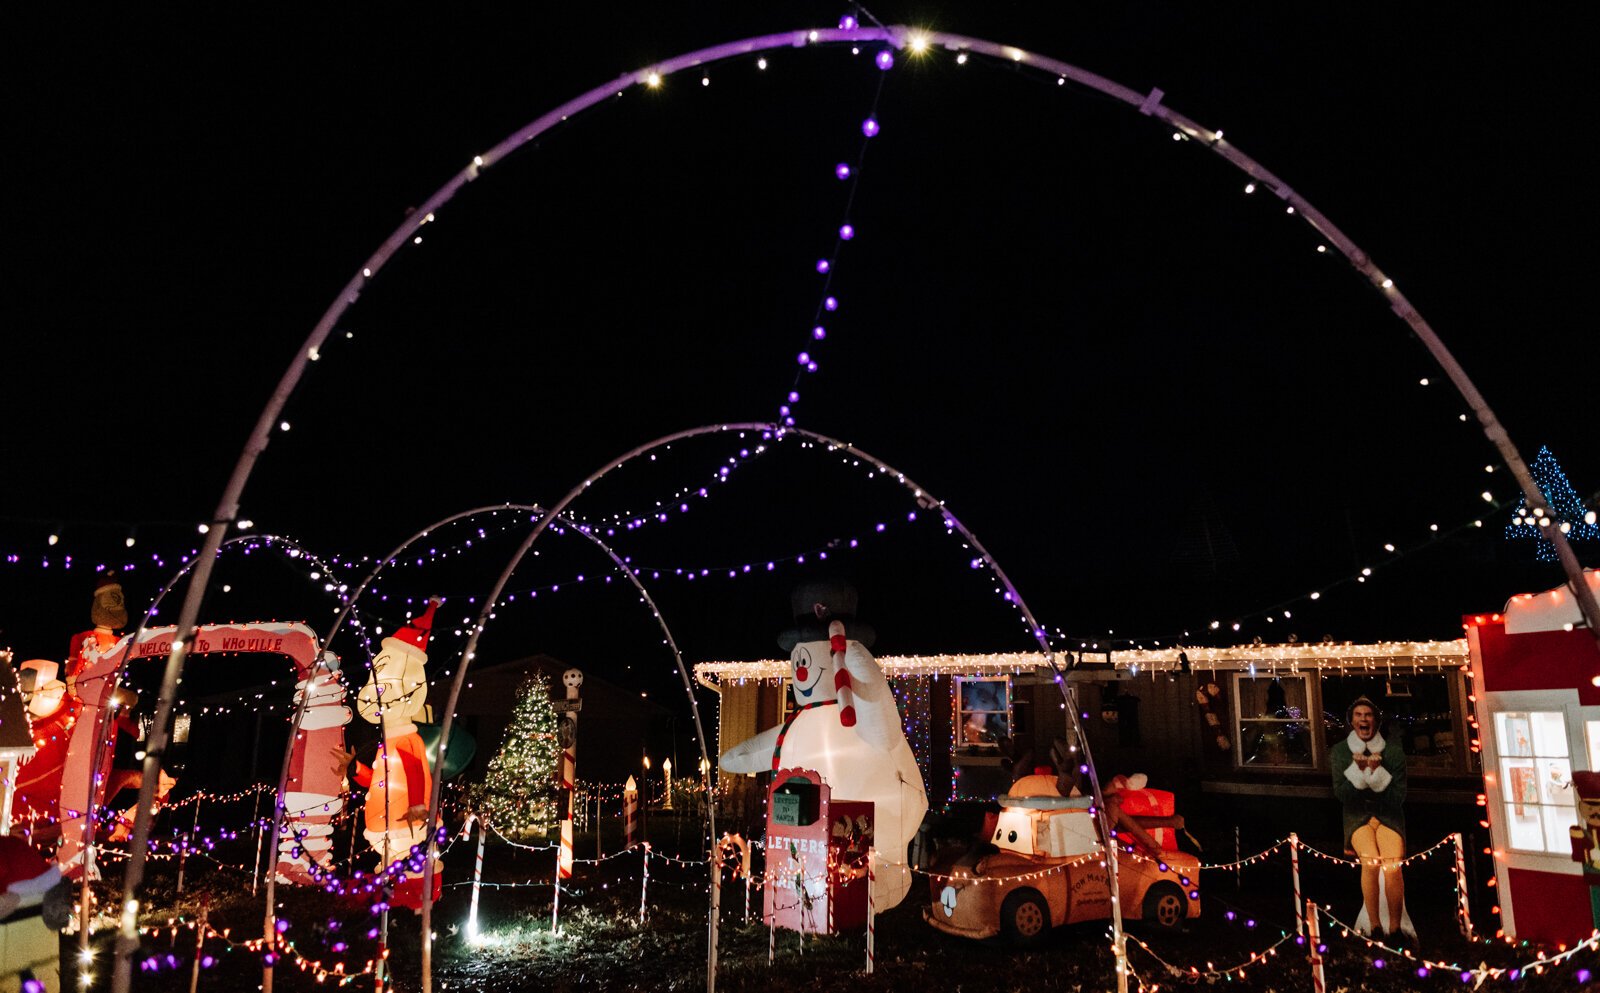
415 631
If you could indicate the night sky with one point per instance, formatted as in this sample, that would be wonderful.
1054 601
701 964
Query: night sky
1144 390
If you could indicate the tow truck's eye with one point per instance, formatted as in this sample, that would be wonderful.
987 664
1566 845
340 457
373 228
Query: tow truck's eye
1012 837
996 834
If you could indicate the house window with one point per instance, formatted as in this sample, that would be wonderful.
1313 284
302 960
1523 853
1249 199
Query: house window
1535 779
1273 731
983 710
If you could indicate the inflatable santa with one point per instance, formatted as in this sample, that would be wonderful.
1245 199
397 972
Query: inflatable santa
846 727
399 782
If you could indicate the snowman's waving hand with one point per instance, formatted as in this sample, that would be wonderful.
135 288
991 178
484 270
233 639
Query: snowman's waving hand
877 718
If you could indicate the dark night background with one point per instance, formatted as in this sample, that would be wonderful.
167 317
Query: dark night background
1079 333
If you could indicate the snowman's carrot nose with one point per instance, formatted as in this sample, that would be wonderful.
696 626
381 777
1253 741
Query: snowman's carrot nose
841 676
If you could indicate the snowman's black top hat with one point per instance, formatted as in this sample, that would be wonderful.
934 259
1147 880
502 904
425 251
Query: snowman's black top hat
815 605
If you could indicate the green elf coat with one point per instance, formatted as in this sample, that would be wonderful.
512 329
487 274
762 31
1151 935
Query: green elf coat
1379 792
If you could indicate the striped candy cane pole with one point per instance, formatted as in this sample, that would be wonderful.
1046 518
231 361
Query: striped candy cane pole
630 814
772 934
872 910
1294 866
842 687
477 883
1464 908
1319 983
644 882
831 876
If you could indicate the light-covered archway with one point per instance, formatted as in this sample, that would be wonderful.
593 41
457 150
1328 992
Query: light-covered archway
915 41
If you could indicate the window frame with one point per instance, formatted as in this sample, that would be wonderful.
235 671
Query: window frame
1490 706
981 748
1313 697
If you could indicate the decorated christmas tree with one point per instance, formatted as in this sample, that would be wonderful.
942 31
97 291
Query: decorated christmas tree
1561 505
517 795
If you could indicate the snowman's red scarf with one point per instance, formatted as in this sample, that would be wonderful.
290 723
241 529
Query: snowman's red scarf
777 749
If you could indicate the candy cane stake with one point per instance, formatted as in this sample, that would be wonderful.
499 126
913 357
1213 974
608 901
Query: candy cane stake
644 882
1319 983
872 910
1464 907
1294 865
477 884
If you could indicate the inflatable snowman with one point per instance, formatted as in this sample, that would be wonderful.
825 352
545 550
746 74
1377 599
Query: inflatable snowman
399 783
846 727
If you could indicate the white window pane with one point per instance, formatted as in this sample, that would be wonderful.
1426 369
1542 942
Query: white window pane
1591 732
1524 827
1556 822
1555 783
1512 734
1549 733
1519 782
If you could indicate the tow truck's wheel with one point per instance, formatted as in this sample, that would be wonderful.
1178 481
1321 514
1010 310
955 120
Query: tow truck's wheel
1165 906
1024 917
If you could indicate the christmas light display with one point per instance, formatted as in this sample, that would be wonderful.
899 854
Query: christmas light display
1561 507
1149 105
515 797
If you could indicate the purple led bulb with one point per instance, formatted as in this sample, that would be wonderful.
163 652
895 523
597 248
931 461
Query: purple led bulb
819 332
869 127
823 265
885 60
842 170
847 231
830 303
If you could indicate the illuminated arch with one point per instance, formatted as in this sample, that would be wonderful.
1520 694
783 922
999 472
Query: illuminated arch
1149 105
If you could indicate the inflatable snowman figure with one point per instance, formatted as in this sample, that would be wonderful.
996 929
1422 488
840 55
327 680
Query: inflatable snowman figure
399 783
846 727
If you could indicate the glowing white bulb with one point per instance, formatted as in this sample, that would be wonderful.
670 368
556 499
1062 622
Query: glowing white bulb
1288 210
1249 187
227 587
961 59
1487 496
246 524
1016 54
761 63
1566 527
1388 284
128 541
283 425
919 43
705 80
1388 548
1322 248
1316 596
54 538
204 528
1423 381
1366 572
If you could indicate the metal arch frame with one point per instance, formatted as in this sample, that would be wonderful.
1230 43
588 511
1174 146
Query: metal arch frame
898 36
349 607
775 433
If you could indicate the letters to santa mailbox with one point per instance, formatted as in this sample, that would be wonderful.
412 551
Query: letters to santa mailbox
816 878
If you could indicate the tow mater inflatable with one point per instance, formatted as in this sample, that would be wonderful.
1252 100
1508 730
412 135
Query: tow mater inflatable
1040 868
